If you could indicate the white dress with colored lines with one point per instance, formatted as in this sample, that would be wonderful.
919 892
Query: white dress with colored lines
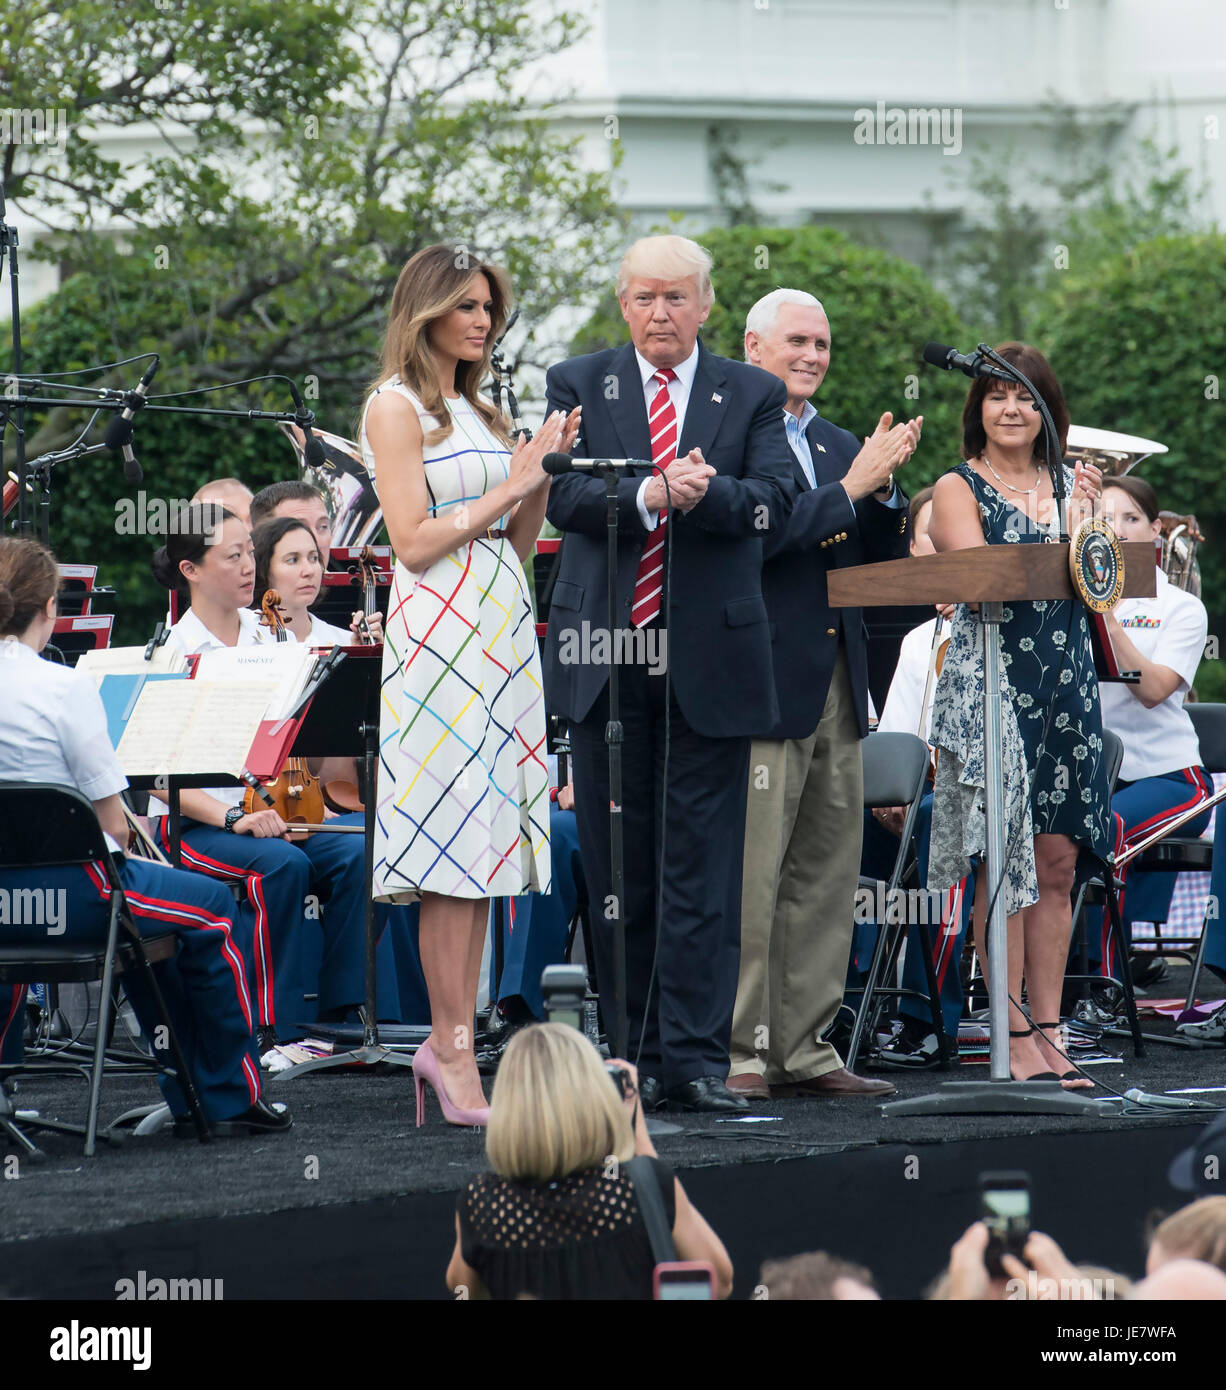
463 796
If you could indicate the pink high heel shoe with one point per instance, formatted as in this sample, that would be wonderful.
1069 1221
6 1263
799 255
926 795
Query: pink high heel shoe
426 1069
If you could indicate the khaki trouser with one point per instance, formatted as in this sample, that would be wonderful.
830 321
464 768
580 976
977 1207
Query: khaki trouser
803 831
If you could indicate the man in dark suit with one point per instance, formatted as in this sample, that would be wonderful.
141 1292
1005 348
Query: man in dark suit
699 625
805 810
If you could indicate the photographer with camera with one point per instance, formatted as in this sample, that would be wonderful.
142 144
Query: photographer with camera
560 1216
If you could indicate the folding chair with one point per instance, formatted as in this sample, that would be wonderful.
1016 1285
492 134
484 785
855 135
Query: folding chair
1186 853
895 774
1093 884
44 826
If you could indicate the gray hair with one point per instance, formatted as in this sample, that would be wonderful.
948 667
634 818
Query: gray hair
761 318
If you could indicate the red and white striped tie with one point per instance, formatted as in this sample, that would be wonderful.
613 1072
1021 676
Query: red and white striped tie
649 581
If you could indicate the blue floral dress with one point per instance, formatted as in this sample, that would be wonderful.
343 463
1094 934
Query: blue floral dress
1055 786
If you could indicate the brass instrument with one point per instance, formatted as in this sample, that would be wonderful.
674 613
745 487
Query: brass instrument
1116 454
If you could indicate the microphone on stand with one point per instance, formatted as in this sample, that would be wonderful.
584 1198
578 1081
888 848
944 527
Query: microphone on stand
565 463
118 434
950 359
312 449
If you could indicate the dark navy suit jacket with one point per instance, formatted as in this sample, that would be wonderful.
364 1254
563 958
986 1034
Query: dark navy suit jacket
719 647
822 533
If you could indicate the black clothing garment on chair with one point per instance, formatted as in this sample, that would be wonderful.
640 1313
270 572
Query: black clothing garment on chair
576 1237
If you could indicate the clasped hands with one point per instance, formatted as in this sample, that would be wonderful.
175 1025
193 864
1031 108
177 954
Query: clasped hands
687 484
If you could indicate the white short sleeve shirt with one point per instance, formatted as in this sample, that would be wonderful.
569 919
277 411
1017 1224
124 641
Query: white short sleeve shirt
1169 629
53 726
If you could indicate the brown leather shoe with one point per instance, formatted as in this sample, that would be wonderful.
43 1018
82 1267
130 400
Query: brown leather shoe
836 1083
750 1085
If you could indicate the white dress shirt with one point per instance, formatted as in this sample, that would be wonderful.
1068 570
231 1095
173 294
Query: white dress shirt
53 726
679 392
905 700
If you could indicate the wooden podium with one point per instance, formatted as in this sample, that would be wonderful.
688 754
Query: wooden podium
990 576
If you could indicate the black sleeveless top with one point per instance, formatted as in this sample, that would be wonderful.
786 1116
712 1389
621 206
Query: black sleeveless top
577 1237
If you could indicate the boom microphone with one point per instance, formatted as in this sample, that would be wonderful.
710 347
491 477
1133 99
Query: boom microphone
118 434
312 449
566 463
950 359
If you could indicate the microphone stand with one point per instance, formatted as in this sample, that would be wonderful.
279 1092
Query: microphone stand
8 246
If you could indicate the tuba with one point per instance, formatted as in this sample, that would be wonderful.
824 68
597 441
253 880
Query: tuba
1116 454
353 504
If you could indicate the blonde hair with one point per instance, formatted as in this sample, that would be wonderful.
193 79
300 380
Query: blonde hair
1195 1232
433 283
667 258
554 1109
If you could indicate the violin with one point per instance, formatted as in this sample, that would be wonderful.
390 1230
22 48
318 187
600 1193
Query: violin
296 795
338 776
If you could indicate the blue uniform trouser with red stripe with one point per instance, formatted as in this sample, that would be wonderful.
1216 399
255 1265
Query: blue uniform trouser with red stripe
1140 808
204 984
292 892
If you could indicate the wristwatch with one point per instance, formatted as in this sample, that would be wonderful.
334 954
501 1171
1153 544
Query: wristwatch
233 816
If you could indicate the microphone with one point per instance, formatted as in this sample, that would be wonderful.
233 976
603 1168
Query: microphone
565 463
119 432
950 359
312 449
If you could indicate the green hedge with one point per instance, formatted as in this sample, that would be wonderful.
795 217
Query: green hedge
1139 344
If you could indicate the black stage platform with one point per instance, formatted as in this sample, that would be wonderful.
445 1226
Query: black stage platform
355 1201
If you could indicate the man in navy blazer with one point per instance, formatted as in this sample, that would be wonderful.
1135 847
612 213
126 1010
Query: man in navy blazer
698 624
805 808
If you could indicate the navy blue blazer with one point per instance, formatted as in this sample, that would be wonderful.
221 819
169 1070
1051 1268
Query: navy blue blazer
823 532
719 647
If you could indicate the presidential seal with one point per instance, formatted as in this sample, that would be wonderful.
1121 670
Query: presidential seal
1096 563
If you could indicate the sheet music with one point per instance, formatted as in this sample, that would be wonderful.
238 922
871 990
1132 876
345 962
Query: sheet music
130 661
188 728
288 664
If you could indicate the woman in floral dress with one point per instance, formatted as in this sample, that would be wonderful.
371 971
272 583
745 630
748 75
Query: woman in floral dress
1056 792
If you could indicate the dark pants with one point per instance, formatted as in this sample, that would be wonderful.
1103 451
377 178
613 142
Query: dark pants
684 1034
204 985
306 905
535 926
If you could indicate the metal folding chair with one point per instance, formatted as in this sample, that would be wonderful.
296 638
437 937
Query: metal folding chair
44 826
1093 884
895 774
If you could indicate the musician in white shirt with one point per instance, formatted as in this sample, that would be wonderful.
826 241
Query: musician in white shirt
53 729
288 560
289 886
1161 776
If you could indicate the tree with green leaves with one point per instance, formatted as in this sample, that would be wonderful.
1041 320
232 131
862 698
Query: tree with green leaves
1139 344
304 153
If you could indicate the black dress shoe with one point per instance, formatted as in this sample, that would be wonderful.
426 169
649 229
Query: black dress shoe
261 1118
706 1093
651 1094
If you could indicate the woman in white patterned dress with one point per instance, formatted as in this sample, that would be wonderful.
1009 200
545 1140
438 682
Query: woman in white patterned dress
463 796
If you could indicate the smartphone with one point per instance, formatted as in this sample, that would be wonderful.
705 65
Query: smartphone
1004 1207
689 1280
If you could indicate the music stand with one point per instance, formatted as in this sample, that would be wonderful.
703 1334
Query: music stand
990 576
343 720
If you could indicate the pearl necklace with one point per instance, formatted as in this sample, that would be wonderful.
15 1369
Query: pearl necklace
1021 491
